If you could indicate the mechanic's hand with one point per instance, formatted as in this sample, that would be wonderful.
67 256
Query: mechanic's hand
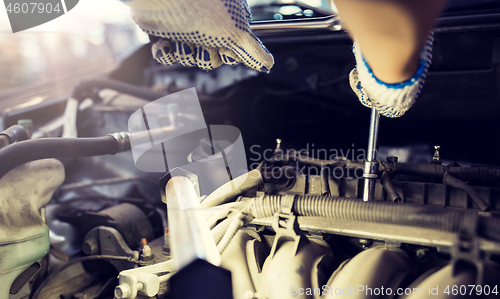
391 100
203 33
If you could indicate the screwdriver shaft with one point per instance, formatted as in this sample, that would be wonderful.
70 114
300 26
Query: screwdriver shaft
371 165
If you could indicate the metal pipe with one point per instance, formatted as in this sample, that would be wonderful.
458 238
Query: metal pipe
373 135
36 149
190 237
331 23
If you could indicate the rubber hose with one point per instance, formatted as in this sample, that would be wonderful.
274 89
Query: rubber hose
450 180
220 230
349 209
35 149
236 223
85 88
385 179
233 188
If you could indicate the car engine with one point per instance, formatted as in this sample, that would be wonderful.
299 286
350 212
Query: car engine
272 187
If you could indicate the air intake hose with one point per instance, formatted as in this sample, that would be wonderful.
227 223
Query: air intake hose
350 209
36 149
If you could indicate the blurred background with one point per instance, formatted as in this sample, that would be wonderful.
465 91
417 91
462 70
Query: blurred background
48 60
45 62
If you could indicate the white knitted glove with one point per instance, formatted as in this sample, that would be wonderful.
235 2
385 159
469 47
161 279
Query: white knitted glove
203 33
391 100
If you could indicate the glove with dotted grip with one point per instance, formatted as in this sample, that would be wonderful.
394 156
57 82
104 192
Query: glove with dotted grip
203 33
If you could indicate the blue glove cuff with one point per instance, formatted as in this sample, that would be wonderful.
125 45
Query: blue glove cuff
391 100
425 62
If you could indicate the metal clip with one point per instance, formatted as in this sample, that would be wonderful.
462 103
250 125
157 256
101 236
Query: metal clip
286 226
466 250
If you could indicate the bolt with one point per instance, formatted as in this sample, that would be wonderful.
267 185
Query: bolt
365 243
90 246
146 254
140 286
122 291
277 150
248 295
437 157
146 251
422 255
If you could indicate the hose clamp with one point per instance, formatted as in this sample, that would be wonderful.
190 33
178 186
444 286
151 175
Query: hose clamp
286 226
122 141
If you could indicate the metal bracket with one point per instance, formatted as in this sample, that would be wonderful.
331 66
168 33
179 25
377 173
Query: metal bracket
107 240
286 226
144 280
466 251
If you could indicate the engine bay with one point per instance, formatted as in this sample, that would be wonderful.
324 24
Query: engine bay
284 217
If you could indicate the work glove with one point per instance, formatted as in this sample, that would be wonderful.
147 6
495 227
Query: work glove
203 33
391 100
